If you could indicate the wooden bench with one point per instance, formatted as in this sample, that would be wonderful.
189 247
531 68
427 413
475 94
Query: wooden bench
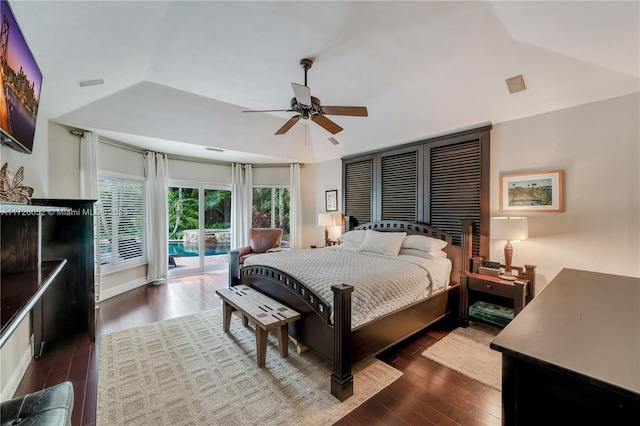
264 312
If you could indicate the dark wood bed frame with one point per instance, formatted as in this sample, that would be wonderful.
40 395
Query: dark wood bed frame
336 341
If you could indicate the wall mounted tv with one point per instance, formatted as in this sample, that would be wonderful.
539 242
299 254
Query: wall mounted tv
21 82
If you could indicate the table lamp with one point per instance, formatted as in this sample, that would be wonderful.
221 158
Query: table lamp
326 220
509 229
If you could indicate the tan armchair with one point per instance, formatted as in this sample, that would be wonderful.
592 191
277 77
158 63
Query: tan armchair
261 240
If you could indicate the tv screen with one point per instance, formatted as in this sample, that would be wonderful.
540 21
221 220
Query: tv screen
21 81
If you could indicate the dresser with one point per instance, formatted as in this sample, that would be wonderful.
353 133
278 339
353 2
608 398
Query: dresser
47 269
572 356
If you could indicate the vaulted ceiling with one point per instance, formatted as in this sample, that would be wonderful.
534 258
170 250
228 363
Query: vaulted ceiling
178 74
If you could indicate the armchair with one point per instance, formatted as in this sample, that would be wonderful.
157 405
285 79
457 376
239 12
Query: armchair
261 240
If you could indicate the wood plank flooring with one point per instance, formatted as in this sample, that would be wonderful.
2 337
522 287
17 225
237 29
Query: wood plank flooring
426 394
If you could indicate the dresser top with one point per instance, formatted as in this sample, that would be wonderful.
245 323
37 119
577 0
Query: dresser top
585 322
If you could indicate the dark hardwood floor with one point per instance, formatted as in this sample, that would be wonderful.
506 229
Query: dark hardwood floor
426 394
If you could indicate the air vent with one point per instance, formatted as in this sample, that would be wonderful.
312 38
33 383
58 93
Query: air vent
214 149
516 84
334 141
94 82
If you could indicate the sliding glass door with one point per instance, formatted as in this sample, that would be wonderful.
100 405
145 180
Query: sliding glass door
199 228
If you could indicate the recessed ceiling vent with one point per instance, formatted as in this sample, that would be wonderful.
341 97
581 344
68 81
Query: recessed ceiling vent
334 141
516 84
94 82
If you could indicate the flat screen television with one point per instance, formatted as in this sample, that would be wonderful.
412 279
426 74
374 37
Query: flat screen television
21 82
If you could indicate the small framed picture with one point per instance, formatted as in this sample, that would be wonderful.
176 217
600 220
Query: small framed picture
331 198
532 192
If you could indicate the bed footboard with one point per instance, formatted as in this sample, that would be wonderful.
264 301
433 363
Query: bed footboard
315 329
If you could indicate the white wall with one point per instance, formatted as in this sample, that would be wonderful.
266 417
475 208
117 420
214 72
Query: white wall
36 174
598 147
63 162
328 177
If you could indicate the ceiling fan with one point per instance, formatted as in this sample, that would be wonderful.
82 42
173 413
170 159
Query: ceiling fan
307 106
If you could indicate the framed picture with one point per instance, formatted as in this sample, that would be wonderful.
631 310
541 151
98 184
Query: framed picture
331 198
532 192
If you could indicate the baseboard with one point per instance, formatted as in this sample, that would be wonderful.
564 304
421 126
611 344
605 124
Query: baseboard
122 288
15 379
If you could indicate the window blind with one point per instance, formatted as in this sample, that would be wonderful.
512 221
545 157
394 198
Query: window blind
358 177
399 180
455 188
122 221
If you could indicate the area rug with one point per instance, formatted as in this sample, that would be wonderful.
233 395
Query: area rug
467 351
187 371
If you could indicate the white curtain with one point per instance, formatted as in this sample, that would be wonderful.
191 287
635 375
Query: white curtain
241 202
295 204
156 170
89 153
89 166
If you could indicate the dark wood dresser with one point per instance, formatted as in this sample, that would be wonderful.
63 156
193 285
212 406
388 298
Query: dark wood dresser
573 355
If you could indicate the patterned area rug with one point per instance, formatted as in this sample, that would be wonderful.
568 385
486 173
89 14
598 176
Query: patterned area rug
187 371
467 351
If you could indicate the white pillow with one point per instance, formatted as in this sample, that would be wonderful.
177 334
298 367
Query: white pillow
435 254
356 236
349 246
422 242
386 243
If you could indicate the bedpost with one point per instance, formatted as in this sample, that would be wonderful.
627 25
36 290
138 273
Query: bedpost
341 378
234 267
530 274
349 223
466 242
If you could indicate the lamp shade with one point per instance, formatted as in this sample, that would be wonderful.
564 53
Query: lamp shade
509 228
325 219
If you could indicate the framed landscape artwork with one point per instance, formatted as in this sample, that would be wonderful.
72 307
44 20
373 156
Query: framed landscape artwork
532 192
332 200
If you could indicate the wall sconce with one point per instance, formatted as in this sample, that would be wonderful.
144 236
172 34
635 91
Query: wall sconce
509 229
326 220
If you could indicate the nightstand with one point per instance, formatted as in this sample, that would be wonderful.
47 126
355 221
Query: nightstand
476 287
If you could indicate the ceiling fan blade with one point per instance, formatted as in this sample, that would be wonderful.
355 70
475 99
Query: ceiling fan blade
355 111
327 124
289 124
269 110
302 93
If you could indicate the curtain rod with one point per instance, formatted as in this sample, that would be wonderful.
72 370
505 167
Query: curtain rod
128 147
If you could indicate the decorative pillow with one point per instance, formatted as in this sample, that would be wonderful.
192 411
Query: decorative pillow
355 236
422 242
435 254
386 243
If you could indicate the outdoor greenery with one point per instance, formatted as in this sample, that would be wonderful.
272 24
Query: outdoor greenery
184 214
270 209
266 215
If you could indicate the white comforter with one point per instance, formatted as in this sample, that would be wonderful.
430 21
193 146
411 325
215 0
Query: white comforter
382 284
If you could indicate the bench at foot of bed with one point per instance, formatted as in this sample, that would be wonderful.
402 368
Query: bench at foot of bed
264 312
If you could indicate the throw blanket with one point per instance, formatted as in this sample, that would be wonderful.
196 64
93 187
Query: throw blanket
382 284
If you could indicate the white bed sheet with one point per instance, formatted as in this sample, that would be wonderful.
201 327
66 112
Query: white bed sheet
382 284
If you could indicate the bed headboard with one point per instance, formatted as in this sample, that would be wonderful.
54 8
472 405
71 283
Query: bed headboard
460 256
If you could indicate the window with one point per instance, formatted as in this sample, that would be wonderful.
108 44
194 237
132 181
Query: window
271 210
122 221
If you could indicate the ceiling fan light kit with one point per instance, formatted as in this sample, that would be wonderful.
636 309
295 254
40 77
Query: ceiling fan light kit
307 106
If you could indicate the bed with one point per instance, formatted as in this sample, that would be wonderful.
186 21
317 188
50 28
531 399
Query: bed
333 323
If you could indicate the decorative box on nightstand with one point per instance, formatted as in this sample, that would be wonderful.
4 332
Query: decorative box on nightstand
498 296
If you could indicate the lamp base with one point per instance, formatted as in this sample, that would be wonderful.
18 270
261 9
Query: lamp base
507 277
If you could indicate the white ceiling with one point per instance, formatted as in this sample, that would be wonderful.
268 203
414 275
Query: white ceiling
178 73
